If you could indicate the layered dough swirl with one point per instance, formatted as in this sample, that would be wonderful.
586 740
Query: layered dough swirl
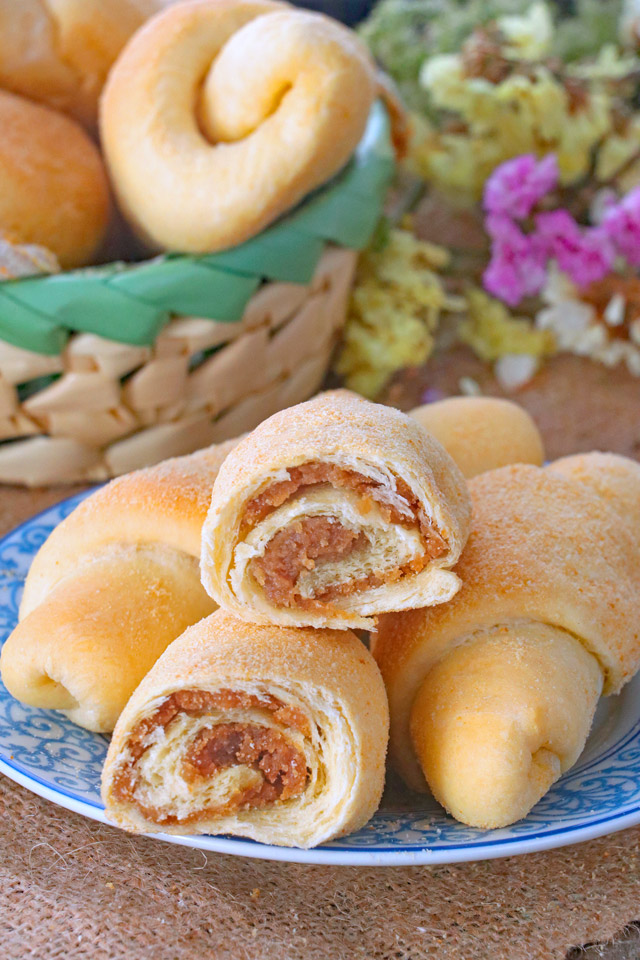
113 585
275 734
492 696
220 115
332 512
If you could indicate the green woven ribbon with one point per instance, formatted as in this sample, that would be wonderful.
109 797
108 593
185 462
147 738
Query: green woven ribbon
132 302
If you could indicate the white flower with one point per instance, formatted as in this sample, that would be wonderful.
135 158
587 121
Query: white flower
614 311
514 370
528 36
594 340
600 203
633 362
568 320
558 287
469 387
613 353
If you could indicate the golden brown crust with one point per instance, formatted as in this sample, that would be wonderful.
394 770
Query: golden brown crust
114 583
328 675
59 52
542 547
53 185
87 646
482 433
164 504
614 478
359 436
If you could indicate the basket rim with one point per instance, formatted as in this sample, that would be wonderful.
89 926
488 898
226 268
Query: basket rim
132 302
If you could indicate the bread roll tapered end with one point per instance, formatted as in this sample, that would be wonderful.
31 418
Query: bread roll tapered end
482 433
110 588
87 646
544 547
499 719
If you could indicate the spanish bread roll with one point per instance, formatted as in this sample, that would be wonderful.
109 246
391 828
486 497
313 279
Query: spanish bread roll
498 720
113 585
100 630
332 512
59 52
264 732
492 695
53 186
220 115
482 433
612 477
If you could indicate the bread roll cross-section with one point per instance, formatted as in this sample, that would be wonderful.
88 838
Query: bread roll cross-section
332 512
265 732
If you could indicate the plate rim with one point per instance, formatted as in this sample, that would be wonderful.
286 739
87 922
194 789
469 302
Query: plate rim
328 856
325 854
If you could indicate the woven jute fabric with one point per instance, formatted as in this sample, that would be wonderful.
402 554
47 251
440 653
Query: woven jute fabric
73 889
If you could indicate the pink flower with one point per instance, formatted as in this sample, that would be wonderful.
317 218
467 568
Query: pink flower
621 223
516 186
518 262
585 254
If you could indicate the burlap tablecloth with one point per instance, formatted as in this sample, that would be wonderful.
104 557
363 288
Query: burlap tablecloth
72 889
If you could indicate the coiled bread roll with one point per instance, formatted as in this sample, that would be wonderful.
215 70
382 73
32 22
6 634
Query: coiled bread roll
332 512
275 734
53 185
59 52
482 433
222 114
112 586
492 695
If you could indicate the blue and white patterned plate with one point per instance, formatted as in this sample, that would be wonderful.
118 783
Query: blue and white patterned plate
50 756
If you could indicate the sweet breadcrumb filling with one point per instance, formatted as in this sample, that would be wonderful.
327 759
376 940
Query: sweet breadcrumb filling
276 768
310 541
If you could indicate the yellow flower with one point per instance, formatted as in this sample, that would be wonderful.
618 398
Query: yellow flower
524 113
610 64
443 76
493 332
615 153
394 311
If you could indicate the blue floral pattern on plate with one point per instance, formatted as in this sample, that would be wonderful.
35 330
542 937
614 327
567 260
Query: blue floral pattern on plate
46 753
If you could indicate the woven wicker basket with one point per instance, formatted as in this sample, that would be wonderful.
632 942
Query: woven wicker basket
106 370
